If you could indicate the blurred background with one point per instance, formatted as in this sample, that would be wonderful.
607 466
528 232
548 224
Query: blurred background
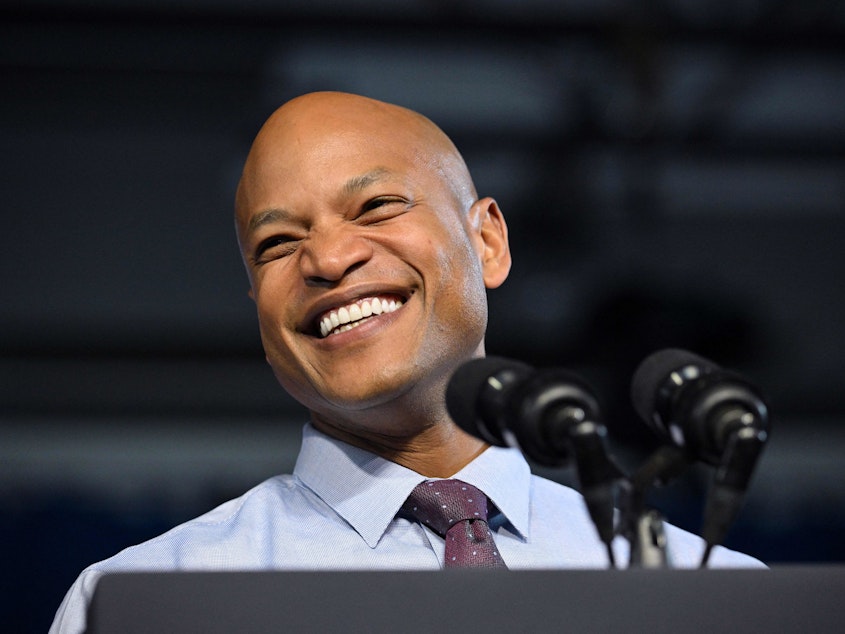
672 172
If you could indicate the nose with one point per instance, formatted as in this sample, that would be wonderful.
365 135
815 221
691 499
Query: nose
331 253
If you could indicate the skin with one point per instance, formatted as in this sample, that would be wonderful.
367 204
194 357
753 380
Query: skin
343 198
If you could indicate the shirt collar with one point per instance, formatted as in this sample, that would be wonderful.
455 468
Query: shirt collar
504 476
367 491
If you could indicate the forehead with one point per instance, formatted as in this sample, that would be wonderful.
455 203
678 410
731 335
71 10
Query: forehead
319 160
314 145
336 155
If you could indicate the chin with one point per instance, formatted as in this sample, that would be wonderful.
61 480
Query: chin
376 393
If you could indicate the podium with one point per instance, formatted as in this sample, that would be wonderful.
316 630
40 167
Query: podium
787 599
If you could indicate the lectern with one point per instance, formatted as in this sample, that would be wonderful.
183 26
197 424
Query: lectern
788 599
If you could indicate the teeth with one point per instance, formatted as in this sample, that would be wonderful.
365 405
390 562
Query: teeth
348 317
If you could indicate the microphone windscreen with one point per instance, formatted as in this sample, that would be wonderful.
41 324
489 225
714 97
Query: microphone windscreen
466 387
652 374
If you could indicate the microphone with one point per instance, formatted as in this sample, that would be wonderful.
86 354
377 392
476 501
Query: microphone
510 404
550 415
711 414
695 404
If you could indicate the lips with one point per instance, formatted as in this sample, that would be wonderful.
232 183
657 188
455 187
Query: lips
342 318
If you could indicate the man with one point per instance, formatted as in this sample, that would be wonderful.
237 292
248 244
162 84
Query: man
345 200
369 255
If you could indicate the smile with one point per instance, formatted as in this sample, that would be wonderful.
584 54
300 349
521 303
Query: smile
352 315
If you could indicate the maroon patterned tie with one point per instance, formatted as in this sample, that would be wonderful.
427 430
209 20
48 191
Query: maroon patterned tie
456 511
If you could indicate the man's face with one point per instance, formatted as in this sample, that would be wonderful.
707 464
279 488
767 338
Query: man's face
365 266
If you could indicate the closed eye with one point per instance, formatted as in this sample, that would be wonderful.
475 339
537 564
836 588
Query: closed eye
275 247
383 207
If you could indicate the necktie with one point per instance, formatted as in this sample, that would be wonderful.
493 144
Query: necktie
456 511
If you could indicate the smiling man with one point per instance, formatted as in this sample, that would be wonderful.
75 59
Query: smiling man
369 255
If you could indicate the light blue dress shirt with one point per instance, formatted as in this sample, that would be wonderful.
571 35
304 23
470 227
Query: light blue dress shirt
337 511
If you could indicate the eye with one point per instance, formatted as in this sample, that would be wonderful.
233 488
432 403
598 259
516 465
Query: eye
380 201
275 247
383 207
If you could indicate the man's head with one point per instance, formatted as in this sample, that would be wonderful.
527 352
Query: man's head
353 209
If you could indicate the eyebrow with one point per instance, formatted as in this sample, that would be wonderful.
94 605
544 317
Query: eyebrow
268 217
359 183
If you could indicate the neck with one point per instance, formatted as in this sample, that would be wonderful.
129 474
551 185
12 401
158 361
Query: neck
437 451
440 453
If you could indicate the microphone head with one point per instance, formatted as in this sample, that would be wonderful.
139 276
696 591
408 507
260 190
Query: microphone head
477 393
652 375
694 403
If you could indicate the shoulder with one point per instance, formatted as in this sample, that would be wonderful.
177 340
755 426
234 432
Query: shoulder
685 550
236 534
223 537
562 509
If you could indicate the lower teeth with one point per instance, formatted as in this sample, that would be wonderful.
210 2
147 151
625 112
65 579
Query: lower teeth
346 327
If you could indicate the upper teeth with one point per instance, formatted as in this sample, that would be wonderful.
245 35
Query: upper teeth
347 317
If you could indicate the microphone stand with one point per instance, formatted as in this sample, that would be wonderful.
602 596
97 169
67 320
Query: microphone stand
641 526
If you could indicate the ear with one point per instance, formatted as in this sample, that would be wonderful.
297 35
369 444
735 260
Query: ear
490 234
251 294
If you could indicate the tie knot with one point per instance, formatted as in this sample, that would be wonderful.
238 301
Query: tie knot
440 504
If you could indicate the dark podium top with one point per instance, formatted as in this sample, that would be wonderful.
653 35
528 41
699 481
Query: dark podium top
799 599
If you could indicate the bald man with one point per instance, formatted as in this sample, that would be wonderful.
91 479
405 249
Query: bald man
346 203
369 254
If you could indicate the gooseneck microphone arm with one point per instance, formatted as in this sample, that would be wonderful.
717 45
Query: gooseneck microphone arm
551 415
729 486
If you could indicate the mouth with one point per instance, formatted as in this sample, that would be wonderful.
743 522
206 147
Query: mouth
343 318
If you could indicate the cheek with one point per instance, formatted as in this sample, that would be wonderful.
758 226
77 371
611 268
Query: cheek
461 270
286 362
274 322
459 291
272 292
